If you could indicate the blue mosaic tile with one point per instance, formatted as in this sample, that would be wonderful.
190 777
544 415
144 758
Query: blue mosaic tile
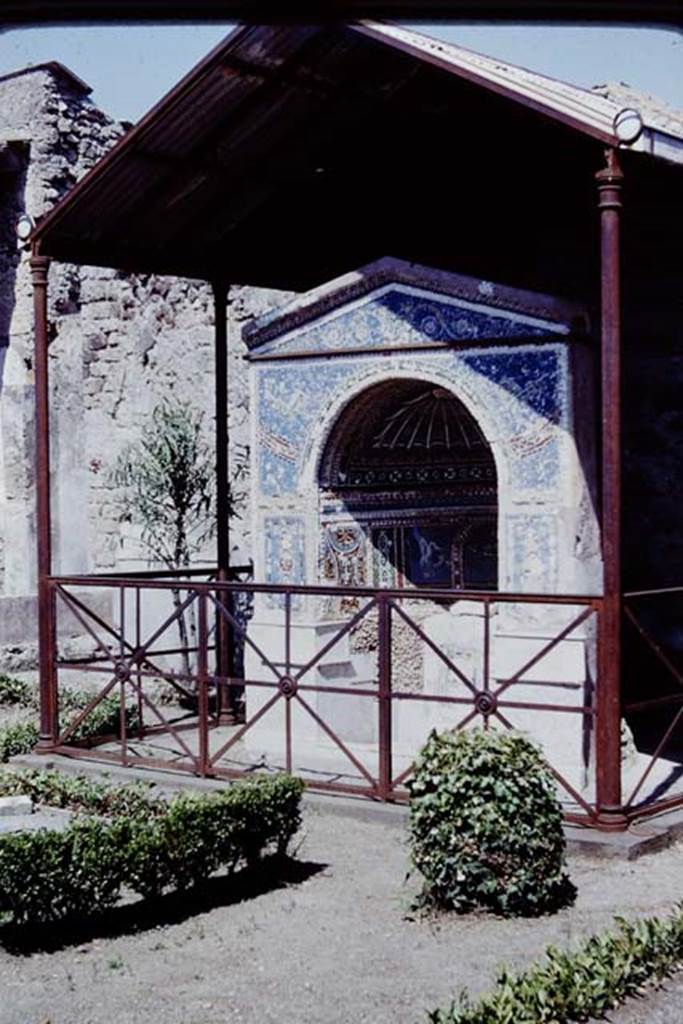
435 320
532 376
290 400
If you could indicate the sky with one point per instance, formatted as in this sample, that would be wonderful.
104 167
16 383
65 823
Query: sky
131 67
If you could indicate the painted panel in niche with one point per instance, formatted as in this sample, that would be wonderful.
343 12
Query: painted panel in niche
343 555
386 548
534 556
404 316
428 555
285 554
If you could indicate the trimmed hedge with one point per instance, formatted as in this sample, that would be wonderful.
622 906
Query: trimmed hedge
48 875
486 825
599 975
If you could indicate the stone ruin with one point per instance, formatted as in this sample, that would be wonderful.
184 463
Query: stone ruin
119 343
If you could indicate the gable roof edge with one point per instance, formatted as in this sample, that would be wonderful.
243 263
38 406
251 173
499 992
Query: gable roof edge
331 295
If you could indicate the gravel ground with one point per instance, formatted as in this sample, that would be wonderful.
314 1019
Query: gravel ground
333 944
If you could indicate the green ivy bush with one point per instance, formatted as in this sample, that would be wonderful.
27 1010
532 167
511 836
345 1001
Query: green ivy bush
19 738
15 692
49 875
103 720
579 985
486 825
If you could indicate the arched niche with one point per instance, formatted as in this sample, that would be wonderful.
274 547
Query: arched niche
408 492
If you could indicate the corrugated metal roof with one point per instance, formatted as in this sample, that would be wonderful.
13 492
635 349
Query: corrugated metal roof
254 117
655 112
592 111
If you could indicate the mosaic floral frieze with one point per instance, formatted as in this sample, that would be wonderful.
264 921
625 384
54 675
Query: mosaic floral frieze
525 387
398 316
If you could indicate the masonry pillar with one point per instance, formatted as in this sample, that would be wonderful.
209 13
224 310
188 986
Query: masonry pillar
40 266
608 755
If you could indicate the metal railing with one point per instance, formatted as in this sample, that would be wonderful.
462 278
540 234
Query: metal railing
428 658
286 671
653 697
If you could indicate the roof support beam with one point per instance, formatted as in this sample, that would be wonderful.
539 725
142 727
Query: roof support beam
228 696
49 730
608 755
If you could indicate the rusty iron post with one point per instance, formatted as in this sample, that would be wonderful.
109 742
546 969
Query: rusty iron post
202 683
611 816
225 708
49 728
385 702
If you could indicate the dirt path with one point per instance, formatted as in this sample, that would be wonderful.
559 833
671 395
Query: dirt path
336 946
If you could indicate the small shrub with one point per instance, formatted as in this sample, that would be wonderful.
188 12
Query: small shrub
154 847
486 825
103 720
15 692
19 738
579 985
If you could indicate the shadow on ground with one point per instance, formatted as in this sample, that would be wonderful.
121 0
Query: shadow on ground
144 915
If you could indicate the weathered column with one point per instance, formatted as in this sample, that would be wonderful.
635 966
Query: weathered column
608 754
40 266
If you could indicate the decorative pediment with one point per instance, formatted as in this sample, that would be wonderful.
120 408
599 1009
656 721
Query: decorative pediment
394 304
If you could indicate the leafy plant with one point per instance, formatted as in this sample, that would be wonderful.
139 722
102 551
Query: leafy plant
579 985
167 484
15 692
19 738
486 825
50 875
46 875
104 719
80 793
167 480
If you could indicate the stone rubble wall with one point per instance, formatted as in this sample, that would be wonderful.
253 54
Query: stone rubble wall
119 344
